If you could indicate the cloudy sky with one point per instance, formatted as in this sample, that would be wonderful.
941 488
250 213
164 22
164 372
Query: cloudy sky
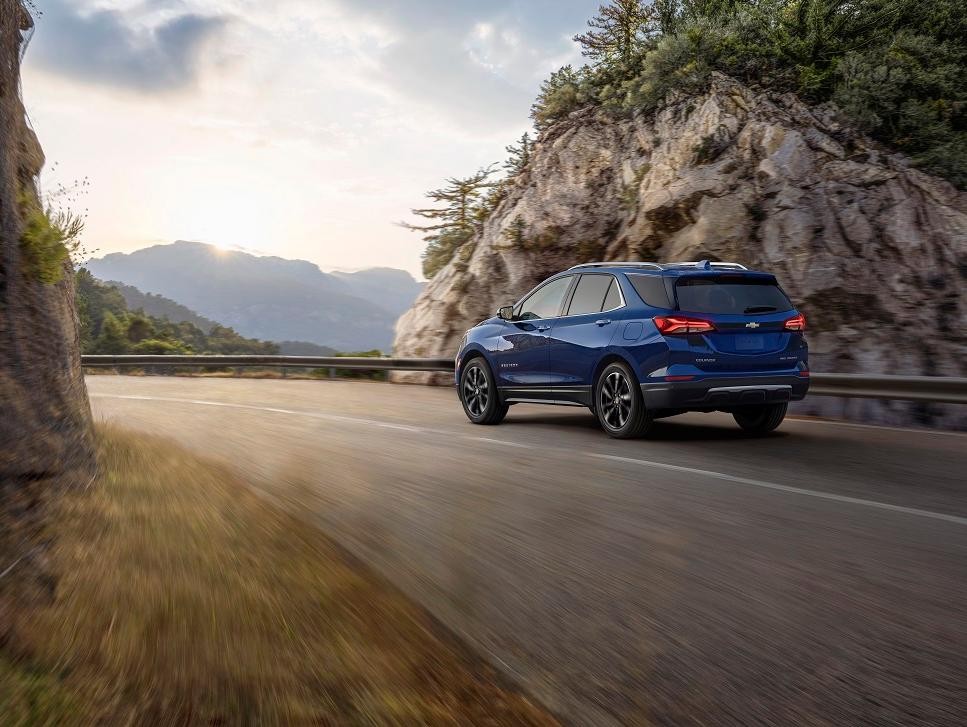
300 128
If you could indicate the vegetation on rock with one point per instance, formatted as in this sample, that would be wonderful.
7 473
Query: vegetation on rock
465 206
49 238
895 68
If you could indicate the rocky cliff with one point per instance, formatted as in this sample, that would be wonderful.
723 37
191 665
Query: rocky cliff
874 251
44 414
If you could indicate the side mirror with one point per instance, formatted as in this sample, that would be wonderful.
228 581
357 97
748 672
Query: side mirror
506 312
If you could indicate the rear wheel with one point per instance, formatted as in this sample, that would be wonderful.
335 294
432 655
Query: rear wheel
478 394
619 404
760 419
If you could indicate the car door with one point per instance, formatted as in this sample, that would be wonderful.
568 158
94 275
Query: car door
586 328
522 351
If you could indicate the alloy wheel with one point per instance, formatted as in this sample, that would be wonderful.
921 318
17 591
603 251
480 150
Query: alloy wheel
476 390
615 400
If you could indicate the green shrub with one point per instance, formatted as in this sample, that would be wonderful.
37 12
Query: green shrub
565 91
47 239
156 347
911 94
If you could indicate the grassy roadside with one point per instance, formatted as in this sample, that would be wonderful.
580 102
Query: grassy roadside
182 598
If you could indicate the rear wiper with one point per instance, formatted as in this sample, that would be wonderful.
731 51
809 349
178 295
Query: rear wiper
760 309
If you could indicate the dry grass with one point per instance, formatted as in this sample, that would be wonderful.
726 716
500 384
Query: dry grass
182 598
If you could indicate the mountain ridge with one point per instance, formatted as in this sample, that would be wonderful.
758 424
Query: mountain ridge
269 297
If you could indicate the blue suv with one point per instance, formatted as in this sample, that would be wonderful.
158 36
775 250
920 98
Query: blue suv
638 341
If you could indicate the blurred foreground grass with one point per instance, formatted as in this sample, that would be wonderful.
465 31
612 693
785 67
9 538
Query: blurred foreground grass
183 598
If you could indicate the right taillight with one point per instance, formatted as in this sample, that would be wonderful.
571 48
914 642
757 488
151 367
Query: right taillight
796 324
671 325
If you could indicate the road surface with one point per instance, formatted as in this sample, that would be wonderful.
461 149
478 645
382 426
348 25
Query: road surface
817 576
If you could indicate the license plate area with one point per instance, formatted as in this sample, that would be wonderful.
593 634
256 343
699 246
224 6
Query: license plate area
749 343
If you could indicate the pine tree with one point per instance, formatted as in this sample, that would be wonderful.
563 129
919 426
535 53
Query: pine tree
619 31
520 155
454 223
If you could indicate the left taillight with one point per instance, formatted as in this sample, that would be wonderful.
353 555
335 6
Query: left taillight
679 325
796 324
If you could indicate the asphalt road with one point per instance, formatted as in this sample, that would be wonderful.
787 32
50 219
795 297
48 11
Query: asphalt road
817 576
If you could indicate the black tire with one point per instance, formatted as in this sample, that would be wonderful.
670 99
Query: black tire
619 404
478 394
762 419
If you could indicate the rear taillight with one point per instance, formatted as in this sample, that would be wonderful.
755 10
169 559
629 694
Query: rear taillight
670 325
796 324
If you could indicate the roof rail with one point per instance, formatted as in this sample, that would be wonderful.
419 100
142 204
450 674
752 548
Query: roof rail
708 265
654 266
662 266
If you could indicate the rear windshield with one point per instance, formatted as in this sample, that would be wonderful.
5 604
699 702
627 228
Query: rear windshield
730 296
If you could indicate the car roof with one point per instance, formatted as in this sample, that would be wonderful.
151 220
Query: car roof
669 269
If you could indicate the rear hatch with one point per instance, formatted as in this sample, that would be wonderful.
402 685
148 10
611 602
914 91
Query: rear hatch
749 313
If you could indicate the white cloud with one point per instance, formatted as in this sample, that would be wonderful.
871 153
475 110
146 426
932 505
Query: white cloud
304 128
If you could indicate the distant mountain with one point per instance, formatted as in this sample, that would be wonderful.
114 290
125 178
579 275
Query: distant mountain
270 298
159 306
395 290
302 348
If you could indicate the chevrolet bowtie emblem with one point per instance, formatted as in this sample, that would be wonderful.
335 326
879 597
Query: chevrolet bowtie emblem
752 324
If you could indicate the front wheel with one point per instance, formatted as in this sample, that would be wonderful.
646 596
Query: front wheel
619 404
762 419
478 394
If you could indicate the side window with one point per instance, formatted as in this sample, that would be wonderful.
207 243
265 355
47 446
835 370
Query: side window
590 293
613 299
545 302
652 290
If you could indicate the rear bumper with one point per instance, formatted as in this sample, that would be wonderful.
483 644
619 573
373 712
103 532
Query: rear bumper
724 393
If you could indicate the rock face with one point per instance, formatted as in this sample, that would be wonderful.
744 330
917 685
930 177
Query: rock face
44 413
873 251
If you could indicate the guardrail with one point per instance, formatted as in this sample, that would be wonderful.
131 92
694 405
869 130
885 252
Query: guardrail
362 363
940 389
906 388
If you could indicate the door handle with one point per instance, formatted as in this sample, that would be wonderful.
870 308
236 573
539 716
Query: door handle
543 328
603 322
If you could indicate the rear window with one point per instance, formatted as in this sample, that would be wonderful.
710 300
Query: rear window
730 296
652 290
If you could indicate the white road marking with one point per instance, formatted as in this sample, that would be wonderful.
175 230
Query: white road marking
955 519
501 442
856 425
786 488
